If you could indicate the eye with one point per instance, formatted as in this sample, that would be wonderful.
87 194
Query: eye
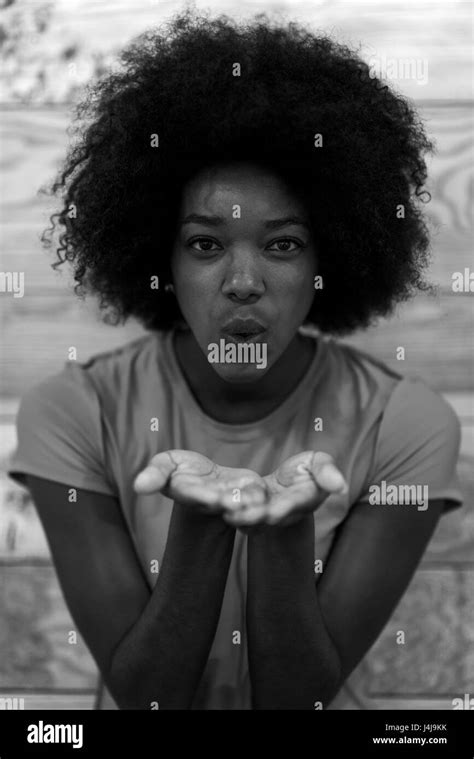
283 245
205 243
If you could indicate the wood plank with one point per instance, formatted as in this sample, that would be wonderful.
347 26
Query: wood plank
35 634
435 616
451 184
436 32
396 703
462 403
22 536
33 146
453 540
436 334
44 700
38 332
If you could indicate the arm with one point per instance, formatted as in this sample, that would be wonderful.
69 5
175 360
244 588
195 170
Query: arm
148 645
305 639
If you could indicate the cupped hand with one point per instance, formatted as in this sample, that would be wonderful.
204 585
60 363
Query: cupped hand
297 487
194 480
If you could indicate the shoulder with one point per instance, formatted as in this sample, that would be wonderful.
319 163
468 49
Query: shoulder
118 364
412 413
363 384
363 371
65 403
418 418
420 435
415 432
415 404
418 442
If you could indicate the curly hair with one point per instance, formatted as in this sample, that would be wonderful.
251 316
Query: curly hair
178 83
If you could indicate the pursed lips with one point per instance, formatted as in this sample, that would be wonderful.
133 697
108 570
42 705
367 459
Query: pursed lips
239 327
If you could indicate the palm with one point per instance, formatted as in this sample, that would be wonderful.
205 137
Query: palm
298 486
293 487
190 478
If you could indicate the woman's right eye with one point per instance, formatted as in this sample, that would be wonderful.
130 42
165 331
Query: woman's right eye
205 243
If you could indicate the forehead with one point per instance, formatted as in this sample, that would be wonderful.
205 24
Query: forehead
248 184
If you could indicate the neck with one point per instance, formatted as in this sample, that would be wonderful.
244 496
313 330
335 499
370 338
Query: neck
239 403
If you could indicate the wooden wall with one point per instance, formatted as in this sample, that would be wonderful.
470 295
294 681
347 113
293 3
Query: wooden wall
437 662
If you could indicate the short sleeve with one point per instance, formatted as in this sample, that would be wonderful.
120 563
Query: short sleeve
418 444
59 433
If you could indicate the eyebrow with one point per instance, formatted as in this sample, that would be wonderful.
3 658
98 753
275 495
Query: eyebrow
215 221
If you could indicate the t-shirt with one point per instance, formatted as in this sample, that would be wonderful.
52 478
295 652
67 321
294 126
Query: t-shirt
95 425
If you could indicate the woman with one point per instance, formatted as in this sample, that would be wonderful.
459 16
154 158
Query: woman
209 491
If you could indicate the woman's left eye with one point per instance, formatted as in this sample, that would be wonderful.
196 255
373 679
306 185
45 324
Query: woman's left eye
283 245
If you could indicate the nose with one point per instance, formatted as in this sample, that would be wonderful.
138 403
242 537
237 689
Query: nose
243 278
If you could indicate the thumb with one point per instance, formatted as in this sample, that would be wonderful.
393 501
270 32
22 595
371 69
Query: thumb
155 476
327 475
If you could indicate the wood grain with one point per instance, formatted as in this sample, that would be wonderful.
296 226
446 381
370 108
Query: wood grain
436 32
436 616
43 700
35 634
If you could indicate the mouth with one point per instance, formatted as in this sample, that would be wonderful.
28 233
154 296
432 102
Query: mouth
244 330
244 338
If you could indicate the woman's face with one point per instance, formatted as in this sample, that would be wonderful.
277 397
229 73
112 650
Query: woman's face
243 267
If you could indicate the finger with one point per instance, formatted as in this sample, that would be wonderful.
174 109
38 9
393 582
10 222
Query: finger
197 495
251 505
240 498
155 476
246 517
231 499
327 475
253 495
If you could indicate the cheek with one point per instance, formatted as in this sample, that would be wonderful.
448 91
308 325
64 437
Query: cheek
196 295
296 289
189 283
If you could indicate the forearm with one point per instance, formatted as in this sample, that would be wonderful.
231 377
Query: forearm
161 659
292 660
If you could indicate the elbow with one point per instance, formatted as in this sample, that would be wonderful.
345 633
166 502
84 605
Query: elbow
303 683
137 681
324 677
124 679
123 686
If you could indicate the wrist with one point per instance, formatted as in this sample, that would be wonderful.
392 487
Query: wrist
282 556
281 534
189 516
